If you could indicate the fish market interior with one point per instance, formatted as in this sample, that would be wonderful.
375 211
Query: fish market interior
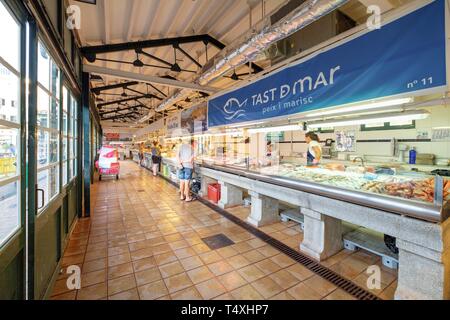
224 150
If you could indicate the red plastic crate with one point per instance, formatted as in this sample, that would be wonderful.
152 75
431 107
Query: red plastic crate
214 192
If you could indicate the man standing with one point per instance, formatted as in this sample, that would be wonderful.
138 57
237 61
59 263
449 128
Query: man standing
185 159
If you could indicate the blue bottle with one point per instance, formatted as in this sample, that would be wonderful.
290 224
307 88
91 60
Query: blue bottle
412 156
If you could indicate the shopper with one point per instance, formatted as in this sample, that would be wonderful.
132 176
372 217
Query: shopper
156 157
314 154
141 154
185 157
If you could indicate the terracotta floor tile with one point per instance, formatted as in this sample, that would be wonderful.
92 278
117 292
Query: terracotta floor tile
254 256
73 260
362 281
178 245
119 259
65 296
220 267
147 276
232 280
153 290
282 296
238 261
246 293
160 249
320 285
302 292
201 248
267 266
171 269
60 287
283 260
184 253
267 287
126 295
178 282
165 258
339 294
187 294
120 270
91 278
191 263
95 292
121 284
251 273
268 251
242 247
118 250
300 272
199 275
227 252
144 264
210 289
284 279
94 265
225 297
141 254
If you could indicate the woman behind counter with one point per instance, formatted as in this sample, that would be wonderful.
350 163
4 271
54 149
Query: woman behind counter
314 154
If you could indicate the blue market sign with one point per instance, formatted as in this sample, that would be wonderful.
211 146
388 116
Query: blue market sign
403 56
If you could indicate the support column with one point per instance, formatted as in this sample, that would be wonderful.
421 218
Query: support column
322 236
424 274
205 181
264 210
230 196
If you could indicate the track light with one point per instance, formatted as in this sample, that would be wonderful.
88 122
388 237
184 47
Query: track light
234 76
175 68
138 63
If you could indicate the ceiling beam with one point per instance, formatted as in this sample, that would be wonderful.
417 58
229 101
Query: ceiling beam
124 109
97 90
147 78
206 38
146 96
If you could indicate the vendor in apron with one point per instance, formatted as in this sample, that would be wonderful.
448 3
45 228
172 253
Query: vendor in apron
314 154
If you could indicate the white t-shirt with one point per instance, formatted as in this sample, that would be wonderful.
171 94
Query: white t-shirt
185 153
312 145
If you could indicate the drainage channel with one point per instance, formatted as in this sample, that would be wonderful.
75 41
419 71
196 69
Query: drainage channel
320 270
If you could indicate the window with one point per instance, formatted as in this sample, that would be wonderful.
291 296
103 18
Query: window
48 160
65 132
9 125
397 125
73 138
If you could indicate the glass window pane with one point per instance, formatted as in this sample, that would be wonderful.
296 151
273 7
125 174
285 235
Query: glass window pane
9 152
64 173
55 81
65 123
43 148
43 108
54 182
43 67
74 168
64 157
9 95
42 180
10 35
54 115
65 99
71 150
70 169
9 209
75 153
54 147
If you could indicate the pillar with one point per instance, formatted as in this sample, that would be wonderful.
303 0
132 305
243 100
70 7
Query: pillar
264 210
230 196
424 274
322 236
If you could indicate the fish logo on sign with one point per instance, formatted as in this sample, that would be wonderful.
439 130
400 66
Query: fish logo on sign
234 109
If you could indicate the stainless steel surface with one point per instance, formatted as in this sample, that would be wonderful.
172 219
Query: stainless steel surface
424 211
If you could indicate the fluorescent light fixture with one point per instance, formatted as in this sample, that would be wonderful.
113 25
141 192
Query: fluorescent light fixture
245 125
275 129
377 118
363 107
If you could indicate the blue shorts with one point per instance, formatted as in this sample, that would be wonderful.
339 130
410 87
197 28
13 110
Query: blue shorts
185 174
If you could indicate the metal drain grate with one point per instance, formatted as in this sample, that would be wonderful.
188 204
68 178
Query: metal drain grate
217 241
333 277
325 273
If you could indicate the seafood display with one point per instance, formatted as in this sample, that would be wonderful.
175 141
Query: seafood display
418 188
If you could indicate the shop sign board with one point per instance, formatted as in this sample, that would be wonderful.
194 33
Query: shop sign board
173 124
193 120
404 56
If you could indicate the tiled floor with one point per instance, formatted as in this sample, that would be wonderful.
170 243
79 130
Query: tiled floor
143 243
